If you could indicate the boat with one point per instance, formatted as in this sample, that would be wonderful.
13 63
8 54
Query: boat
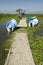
32 21
11 25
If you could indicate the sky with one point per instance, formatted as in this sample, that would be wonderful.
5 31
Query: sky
31 6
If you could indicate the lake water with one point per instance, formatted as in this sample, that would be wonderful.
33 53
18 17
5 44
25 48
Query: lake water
3 32
39 32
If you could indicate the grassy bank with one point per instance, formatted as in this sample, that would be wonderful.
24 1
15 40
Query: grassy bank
36 43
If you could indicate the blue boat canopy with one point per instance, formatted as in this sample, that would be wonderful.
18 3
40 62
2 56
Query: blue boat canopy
32 21
11 25
29 18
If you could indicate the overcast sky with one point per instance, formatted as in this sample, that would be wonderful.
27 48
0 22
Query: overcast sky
31 6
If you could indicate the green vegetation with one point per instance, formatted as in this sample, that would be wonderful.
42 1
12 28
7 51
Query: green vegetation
6 17
21 29
36 43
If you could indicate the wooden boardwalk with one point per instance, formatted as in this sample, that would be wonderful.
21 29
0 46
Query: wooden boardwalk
20 53
22 23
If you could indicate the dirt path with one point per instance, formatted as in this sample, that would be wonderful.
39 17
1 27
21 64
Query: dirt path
20 53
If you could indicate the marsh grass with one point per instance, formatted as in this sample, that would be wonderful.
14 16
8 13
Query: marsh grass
39 16
6 17
36 45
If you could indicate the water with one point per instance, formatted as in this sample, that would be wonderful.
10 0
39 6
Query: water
3 37
40 21
39 32
3 32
